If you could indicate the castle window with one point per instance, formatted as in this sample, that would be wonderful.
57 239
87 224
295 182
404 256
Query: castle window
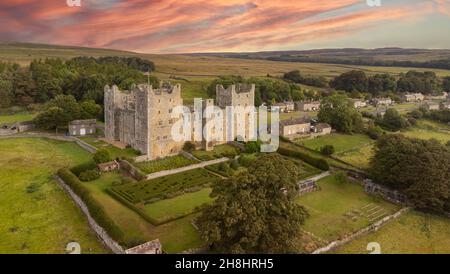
165 137
159 100
159 111
160 122
170 110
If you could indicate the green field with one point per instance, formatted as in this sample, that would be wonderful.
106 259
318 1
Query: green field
358 157
18 117
414 232
37 215
164 186
218 152
175 236
341 142
340 208
177 207
426 129
164 164
114 151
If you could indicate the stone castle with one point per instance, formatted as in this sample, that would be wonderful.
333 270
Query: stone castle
141 117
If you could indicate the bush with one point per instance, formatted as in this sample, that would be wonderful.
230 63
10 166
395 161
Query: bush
188 146
253 146
374 132
246 160
341 177
234 164
89 175
95 209
102 156
327 150
77 170
316 162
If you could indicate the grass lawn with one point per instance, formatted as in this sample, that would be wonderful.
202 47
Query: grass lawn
426 129
114 151
413 232
175 236
358 157
218 152
164 164
179 206
341 142
338 209
37 215
18 117
164 186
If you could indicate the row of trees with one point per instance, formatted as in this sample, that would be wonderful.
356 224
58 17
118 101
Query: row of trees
267 90
296 77
412 81
82 77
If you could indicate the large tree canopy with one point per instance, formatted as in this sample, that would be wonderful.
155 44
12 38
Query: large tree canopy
419 168
255 212
338 111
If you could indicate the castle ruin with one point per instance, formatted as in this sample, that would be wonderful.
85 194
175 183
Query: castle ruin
141 117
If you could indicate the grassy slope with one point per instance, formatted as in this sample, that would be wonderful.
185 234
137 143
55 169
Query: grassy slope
328 206
46 220
341 142
413 232
175 236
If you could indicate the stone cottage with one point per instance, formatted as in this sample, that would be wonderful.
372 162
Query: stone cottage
82 127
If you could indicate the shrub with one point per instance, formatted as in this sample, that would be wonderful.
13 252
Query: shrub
246 160
374 132
33 187
327 150
102 156
77 170
316 162
89 175
234 164
253 146
95 209
341 177
188 146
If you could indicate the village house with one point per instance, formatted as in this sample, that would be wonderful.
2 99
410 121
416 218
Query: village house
444 105
443 96
294 128
152 247
357 103
82 127
431 106
382 101
307 105
413 97
321 129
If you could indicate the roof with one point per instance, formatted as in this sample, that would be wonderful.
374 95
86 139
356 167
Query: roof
145 248
297 121
322 125
310 102
108 164
83 122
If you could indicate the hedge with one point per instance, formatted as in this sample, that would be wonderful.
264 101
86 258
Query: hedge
95 209
77 170
316 162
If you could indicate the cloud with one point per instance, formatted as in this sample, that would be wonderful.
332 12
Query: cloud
198 25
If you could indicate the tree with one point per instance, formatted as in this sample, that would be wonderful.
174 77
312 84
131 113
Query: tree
327 150
52 118
189 146
392 120
6 92
90 110
253 146
293 76
446 84
418 168
350 81
255 211
102 156
338 111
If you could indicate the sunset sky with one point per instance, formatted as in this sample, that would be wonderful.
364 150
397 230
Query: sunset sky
170 26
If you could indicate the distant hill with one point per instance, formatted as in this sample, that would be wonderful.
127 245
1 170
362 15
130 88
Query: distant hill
398 57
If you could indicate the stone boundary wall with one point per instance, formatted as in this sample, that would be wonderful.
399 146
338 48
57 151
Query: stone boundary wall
364 231
237 145
89 148
186 168
141 158
134 171
101 233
